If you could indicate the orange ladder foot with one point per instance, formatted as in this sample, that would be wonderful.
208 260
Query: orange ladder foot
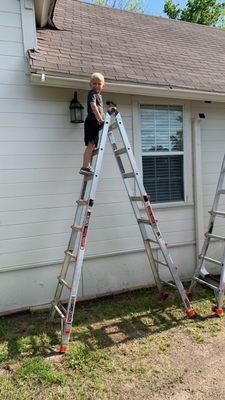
190 312
63 348
217 311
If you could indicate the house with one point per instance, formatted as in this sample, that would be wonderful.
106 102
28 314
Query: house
164 75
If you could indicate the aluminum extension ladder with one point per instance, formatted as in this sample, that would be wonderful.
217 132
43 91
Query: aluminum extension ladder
201 274
78 238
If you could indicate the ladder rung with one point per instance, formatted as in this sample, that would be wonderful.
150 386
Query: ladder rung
128 175
206 283
161 263
136 198
82 202
221 191
219 213
212 260
58 310
144 221
169 284
63 282
151 240
120 151
77 227
210 235
70 253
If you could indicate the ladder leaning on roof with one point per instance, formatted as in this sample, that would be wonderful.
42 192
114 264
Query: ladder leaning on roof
78 238
201 274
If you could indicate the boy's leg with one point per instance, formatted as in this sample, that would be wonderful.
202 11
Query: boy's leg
87 155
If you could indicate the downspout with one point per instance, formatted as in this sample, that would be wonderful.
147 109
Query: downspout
198 186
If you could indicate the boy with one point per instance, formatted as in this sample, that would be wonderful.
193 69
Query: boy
94 121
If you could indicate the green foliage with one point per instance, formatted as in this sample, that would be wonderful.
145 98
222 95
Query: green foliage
130 5
205 12
38 369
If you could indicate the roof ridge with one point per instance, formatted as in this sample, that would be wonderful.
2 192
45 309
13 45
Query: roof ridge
170 20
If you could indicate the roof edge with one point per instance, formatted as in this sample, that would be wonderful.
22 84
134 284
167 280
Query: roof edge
42 79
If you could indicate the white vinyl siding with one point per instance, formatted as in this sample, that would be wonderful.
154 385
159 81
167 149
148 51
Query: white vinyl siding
162 152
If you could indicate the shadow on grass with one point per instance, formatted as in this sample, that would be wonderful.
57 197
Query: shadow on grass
99 324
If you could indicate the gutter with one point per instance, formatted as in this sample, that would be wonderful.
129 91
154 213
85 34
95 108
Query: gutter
42 79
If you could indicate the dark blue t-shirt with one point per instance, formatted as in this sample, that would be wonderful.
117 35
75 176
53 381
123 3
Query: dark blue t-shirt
94 97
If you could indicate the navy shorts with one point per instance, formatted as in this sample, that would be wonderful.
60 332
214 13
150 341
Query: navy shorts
91 131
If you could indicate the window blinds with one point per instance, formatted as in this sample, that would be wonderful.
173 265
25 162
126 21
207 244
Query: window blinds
162 152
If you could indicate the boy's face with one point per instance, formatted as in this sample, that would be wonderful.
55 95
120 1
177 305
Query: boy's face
97 84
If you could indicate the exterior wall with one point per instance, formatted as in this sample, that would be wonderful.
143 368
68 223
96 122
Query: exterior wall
212 153
41 153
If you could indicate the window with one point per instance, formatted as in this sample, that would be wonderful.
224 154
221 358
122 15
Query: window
162 152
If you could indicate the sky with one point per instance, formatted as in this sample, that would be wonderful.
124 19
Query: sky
155 7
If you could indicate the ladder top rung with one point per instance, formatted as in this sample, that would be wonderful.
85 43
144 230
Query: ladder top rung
128 175
211 260
210 235
221 191
136 198
120 151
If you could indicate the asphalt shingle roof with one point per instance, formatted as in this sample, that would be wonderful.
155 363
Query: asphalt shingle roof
130 47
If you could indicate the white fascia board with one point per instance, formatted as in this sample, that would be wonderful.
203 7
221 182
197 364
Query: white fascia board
40 78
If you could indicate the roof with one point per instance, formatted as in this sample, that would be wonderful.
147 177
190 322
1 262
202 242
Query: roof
129 47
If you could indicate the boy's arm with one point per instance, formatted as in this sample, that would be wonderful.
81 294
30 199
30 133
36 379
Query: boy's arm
95 110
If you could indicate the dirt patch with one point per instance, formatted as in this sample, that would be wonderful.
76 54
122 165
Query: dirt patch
199 369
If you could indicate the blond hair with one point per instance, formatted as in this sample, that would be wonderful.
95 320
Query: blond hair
97 76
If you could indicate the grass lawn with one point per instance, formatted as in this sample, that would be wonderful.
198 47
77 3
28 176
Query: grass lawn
128 346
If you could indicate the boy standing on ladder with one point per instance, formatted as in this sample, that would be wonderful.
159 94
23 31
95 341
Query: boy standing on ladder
94 121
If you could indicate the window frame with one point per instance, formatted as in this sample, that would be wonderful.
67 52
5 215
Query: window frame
137 102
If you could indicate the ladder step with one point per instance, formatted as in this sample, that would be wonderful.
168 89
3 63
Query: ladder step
128 175
63 282
136 198
118 152
144 221
77 227
212 260
151 240
70 253
212 283
161 263
219 213
82 202
58 310
221 191
210 235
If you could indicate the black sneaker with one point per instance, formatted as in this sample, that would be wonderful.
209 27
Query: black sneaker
86 171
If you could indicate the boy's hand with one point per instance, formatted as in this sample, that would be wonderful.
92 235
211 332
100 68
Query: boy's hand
101 120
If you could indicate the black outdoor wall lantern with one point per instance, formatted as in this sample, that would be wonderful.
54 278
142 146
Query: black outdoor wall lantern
76 111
